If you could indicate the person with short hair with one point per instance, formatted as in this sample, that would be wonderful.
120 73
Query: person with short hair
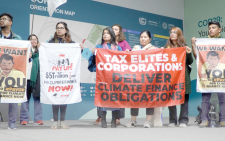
212 63
214 32
7 70
6 21
33 65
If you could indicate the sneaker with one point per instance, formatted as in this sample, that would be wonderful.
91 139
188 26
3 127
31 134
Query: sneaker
98 121
222 123
131 124
118 122
204 123
54 125
24 123
40 122
183 125
63 125
12 127
172 125
147 124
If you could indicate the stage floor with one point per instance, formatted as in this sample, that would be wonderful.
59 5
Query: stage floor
84 130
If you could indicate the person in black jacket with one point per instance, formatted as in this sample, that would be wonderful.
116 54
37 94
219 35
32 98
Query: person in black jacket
62 35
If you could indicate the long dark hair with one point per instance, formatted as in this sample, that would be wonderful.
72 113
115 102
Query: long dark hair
180 38
29 38
113 37
67 34
121 36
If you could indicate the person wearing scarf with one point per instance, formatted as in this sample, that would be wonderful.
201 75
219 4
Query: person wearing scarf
62 35
108 42
214 32
31 81
153 115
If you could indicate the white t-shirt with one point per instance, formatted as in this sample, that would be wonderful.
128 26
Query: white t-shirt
29 67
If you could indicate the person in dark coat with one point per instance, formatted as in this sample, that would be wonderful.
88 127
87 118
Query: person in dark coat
177 40
62 35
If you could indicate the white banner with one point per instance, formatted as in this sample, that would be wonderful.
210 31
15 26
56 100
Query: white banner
14 55
53 4
60 73
210 65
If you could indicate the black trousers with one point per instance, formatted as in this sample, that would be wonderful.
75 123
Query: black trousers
120 113
183 112
55 109
135 111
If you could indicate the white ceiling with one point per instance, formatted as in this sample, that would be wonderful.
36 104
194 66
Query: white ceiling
169 8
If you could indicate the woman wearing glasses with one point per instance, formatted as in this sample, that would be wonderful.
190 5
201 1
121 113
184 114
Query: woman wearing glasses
62 35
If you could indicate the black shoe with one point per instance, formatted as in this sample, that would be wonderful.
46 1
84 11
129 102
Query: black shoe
104 123
113 122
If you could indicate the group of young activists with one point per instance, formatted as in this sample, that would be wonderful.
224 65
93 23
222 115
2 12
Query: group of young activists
113 39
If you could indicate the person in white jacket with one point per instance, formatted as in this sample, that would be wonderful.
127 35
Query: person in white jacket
153 115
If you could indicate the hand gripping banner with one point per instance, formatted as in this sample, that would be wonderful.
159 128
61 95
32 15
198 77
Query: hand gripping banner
140 79
60 73
210 65
14 55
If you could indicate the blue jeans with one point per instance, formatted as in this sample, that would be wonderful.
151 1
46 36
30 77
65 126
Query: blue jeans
24 113
205 105
12 114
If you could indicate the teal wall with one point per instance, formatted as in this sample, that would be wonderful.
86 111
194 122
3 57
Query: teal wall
91 12
197 13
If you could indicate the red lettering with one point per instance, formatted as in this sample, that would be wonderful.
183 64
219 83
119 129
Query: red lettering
67 88
53 68
60 88
71 66
51 89
71 88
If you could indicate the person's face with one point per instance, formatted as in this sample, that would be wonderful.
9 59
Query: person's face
5 22
213 61
33 41
173 35
60 30
214 30
106 36
116 30
144 39
6 65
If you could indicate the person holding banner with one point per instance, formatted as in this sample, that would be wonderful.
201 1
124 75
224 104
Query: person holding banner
213 63
62 35
121 41
120 37
108 42
6 21
31 81
177 40
145 39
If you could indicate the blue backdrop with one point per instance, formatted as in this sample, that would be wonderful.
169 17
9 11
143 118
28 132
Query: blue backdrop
88 11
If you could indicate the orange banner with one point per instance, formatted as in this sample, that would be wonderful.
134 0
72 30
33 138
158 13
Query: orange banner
140 79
